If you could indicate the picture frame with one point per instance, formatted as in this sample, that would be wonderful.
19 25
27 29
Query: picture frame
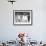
22 17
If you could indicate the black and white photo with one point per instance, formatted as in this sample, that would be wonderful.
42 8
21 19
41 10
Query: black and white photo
22 16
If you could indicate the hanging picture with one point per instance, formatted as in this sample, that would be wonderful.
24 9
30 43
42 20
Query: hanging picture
22 17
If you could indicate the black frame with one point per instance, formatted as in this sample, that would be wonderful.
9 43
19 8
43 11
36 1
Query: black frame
23 24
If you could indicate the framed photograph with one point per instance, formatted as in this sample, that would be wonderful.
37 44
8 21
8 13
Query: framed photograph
22 17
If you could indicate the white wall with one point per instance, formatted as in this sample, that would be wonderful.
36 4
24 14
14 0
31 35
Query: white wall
38 30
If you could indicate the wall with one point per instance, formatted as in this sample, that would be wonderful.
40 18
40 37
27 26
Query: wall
38 30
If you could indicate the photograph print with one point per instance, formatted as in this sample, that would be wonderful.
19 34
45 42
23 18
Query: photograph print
21 17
